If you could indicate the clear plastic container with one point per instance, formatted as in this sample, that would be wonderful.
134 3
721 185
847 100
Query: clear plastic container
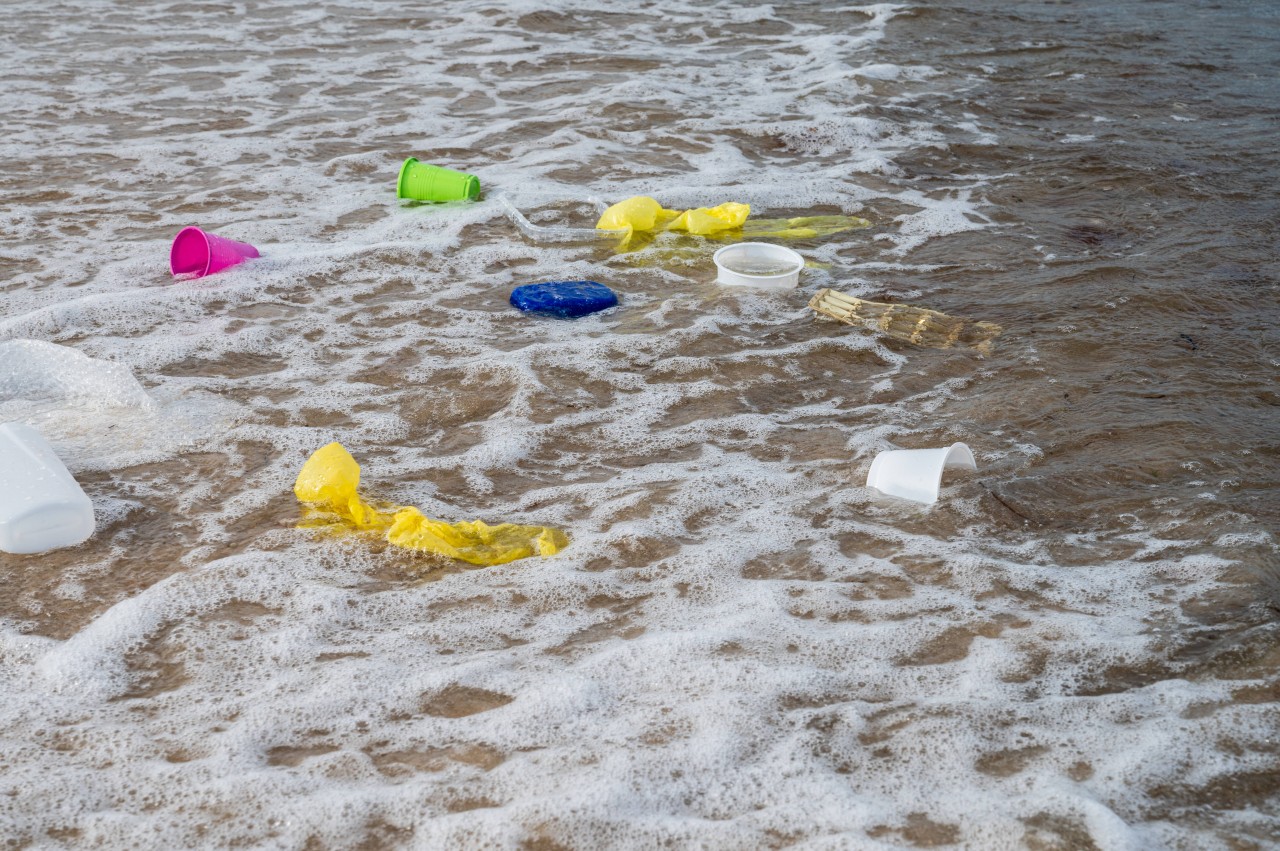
758 264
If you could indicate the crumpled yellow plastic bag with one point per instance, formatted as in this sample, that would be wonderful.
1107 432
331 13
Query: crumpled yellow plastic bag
331 476
705 221
642 214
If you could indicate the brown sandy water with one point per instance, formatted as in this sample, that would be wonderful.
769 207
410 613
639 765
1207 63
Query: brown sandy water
1075 648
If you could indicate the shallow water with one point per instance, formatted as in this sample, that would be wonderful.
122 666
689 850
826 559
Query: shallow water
742 646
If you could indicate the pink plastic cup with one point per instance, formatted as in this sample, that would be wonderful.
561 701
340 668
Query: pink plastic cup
205 253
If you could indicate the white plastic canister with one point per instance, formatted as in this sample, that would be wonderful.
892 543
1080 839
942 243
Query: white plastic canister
41 506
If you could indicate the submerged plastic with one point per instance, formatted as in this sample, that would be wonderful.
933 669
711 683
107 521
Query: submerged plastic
543 234
919 326
801 227
563 299
916 474
42 507
331 476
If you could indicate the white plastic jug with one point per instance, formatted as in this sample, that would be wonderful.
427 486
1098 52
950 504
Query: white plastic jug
41 505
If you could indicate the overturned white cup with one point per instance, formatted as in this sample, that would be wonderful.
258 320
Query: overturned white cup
916 474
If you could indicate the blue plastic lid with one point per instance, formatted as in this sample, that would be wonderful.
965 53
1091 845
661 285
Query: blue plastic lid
565 299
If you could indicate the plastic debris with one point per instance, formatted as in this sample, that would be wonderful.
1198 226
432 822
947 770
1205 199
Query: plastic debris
205 253
564 299
916 474
801 227
558 233
42 507
329 482
35 374
425 182
642 214
705 221
620 222
758 264
917 325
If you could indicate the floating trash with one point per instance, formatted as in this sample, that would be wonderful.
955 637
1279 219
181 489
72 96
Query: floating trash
42 507
758 264
328 482
917 325
916 474
203 253
564 299
642 214
420 181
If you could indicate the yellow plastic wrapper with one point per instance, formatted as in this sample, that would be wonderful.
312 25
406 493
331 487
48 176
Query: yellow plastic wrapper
705 221
803 227
329 481
642 215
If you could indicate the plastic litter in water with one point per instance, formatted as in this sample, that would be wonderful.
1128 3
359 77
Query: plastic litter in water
641 214
36 371
758 264
421 181
760 268
564 299
41 506
203 253
798 227
916 474
919 326
329 482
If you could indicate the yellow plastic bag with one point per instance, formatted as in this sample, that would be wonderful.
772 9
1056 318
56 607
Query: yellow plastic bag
705 221
642 215
331 476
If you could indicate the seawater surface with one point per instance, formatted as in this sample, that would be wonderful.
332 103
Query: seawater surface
743 647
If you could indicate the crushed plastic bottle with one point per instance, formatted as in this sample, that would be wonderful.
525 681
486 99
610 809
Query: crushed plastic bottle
329 482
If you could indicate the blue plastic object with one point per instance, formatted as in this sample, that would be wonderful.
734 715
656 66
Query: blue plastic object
565 299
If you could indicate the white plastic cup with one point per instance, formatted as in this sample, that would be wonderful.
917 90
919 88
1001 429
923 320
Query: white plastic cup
735 265
916 474
41 506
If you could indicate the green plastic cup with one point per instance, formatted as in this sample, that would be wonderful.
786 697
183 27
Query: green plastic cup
425 182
